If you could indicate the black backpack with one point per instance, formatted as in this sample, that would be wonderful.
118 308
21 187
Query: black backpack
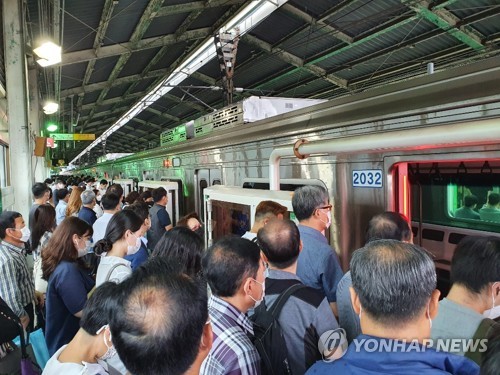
268 336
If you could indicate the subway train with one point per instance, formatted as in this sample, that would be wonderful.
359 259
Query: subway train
417 147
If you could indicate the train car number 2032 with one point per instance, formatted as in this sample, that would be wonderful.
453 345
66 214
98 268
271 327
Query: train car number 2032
367 178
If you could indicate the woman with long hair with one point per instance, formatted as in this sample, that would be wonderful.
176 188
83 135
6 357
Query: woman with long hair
75 202
44 224
183 246
122 237
68 280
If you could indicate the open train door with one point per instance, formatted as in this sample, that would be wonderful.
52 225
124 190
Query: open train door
231 210
128 185
172 189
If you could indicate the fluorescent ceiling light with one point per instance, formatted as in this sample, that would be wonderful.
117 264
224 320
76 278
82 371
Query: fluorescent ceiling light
49 53
248 18
50 108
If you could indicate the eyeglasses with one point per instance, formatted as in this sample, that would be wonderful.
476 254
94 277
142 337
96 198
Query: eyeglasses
329 207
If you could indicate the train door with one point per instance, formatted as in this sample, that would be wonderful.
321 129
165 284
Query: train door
203 179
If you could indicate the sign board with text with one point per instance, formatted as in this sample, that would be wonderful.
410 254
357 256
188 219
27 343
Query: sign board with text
72 137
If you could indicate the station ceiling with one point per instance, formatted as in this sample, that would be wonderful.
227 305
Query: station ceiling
115 51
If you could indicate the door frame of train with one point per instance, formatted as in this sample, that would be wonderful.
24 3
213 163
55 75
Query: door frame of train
207 174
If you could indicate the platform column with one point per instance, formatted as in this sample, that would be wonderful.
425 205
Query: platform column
17 105
40 170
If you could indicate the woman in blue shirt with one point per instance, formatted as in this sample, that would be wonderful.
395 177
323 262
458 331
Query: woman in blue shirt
68 280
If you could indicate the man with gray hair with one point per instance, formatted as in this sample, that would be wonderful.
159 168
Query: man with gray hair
318 265
394 293
87 212
385 226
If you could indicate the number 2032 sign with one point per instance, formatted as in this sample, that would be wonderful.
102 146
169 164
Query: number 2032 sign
371 178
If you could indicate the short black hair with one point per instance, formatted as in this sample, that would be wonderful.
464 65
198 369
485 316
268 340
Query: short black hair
279 240
48 181
228 262
307 199
470 200
61 193
394 280
159 325
493 199
103 182
99 308
109 201
140 208
116 189
8 220
476 262
388 226
158 194
39 189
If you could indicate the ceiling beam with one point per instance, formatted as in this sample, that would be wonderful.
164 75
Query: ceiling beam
311 21
448 22
162 114
337 51
130 47
139 31
147 123
294 60
105 84
194 6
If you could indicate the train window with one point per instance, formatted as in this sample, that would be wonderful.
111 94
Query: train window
202 185
229 218
456 195
285 184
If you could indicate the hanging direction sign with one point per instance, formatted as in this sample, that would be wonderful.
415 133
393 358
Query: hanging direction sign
72 137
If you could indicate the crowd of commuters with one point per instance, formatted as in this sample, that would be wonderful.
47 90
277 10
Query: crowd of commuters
159 302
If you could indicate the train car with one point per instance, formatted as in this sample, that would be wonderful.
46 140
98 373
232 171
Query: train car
417 147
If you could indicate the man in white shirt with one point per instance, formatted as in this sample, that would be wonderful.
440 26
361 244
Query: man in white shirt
111 204
63 198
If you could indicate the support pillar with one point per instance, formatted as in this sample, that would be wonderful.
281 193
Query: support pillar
38 162
17 105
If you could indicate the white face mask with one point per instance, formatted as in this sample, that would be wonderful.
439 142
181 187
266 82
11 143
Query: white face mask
494 312
132 249
25 234
328 222
259 301
111 349
85 250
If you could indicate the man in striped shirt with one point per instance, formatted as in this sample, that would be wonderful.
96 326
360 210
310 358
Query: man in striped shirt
235 273
16 282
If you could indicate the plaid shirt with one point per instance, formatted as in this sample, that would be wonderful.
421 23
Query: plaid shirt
16 282
232 351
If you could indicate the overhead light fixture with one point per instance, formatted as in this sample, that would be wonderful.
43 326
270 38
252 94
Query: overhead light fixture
49 53
248 18
50 107
52 127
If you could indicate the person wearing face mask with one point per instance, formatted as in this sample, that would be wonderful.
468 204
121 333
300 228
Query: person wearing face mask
474 297
394 293
318 265
68 279
92 346
122 238
16 281
142 210
234 270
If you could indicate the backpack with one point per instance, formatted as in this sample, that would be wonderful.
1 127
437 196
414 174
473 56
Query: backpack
484 330
268 336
